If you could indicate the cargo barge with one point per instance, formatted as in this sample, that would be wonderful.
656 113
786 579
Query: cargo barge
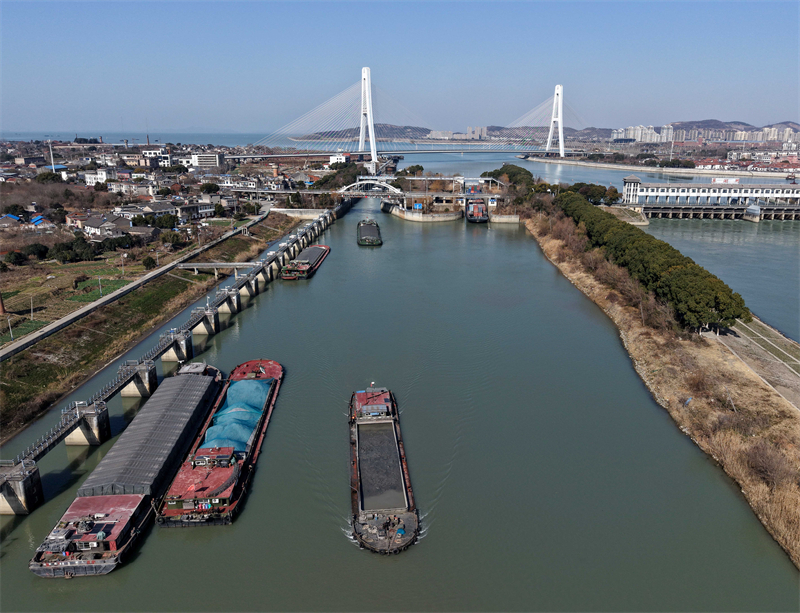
385 518
368 233
477 212
116 502
306 263
211 484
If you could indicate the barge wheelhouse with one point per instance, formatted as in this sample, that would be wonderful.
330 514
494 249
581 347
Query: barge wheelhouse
211 484
385 518
306 263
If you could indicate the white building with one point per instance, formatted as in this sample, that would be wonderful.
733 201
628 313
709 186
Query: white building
101 175
340 158
207 160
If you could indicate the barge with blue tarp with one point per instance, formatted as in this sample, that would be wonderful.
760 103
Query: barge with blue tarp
211 484
116 502
385 518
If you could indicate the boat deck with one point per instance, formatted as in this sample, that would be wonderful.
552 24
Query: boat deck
381 473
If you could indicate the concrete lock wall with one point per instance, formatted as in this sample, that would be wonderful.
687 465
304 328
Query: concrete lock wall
208 325
20 497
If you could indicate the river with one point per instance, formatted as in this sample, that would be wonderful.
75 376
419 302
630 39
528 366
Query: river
546 476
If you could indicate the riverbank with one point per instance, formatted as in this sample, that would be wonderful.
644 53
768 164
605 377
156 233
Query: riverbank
699 172
39 376
749 429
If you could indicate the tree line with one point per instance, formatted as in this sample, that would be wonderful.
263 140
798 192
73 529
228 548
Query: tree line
698 298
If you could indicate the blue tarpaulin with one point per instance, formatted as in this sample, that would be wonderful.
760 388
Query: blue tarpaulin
235 422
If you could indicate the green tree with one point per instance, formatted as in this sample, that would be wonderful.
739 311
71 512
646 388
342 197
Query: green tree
219 210
164 191
209 188
149 263
100 187
48 177
166 221
14 209
15 258
170 238
37 250
612 195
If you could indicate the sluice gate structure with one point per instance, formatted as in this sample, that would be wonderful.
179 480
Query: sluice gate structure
87 423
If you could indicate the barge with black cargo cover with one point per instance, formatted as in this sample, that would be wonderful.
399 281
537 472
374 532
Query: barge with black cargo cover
369 233
306 263
117 501
385 518
210 486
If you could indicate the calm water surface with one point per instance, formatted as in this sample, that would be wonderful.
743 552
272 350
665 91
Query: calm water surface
546 476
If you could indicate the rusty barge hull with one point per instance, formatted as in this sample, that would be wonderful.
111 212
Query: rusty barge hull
384 514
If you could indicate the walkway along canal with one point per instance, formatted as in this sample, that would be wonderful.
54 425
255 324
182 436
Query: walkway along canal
545 475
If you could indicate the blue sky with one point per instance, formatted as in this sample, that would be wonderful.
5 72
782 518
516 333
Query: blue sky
255 66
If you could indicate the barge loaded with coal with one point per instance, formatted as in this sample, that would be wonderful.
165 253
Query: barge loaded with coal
306 263
369 233
211 484
385 518
117 501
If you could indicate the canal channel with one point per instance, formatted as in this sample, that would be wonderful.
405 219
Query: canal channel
546 476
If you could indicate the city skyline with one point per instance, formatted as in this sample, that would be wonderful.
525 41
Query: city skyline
235 67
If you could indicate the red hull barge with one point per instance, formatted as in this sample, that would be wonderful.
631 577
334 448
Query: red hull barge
385 518
306 263
211 484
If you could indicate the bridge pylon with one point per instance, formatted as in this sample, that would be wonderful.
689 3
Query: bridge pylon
366 119
557 116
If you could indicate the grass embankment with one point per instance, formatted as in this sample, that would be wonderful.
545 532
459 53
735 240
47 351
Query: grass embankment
747 427
36 378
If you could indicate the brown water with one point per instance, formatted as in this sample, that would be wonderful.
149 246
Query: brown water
546 476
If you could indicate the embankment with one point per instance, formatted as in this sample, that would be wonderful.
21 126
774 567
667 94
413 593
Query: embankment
713 397
40 375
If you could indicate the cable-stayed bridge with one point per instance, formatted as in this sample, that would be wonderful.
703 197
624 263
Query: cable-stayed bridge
364 120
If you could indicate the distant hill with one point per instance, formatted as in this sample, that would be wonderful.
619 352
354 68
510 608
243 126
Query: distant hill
785 124
382 130
715 124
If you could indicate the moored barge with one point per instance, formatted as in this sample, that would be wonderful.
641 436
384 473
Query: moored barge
477 212
211 484
306 263
116 502
369 233
385 518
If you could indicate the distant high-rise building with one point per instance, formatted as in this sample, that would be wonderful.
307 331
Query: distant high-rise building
667 133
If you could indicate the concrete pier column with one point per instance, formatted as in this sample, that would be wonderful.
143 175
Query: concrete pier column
250 288
21 491
232 303
181 349
144 382
94 428
209 324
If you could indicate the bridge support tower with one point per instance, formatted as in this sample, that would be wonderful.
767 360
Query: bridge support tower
367 121
209 324
558 114
182 348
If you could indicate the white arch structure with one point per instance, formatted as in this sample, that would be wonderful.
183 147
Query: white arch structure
354 187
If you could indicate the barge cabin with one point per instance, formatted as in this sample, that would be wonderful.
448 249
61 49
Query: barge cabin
385 518
211 484
306 263
115 503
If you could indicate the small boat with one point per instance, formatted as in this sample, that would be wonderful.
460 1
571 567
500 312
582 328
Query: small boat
369 234
385 518
791 177
477 212
211 483
306 263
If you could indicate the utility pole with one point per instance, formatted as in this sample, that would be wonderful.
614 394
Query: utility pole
10 331
101 286
31 307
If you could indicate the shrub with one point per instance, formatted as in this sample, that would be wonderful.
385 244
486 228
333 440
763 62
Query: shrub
15 258
769 464
149 263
